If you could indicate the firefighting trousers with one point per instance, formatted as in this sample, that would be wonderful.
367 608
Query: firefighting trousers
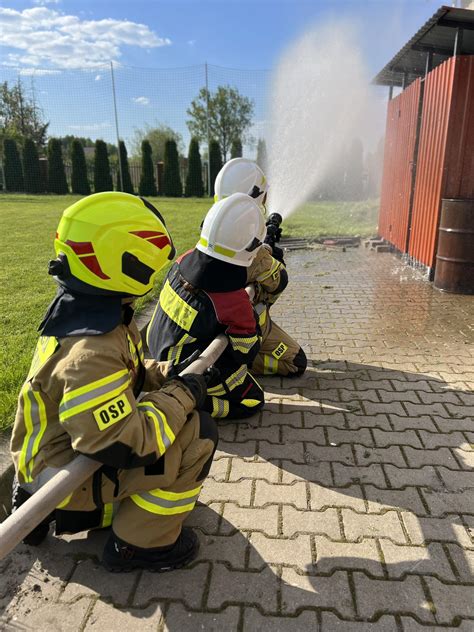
279 353
146 506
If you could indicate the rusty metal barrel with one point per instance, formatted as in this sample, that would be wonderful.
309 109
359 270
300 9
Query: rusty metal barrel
455 255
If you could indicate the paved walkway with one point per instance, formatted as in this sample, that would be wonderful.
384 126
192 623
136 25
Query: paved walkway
347 505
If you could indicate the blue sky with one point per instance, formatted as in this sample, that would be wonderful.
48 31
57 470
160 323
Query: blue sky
43 37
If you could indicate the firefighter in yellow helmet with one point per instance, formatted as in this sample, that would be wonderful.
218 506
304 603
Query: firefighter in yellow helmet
279 353
81 394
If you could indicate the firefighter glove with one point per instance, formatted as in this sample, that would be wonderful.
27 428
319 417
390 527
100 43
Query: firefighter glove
197 385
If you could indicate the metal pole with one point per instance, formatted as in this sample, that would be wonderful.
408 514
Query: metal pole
208 140
429 63
120 178
390 93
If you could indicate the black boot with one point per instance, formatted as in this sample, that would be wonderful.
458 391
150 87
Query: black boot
19 496
119 556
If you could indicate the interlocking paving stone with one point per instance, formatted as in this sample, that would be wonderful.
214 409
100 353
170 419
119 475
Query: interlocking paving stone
187 585
35 614
376 597
234 492
392 454
294 494
322 497
105 617
321 522
452 602
463 560
419 560
347 474
298 591
178 619
296 552
357 526
448 529
254 620
258 588
439 456
401 477
410 625
379 500
255 519
331 556
257 470
317 473
405 438
331 623
443 502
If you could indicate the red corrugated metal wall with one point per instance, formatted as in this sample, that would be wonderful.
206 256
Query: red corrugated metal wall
402 114
431 161
459 163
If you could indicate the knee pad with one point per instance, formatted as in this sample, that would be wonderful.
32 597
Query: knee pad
301 362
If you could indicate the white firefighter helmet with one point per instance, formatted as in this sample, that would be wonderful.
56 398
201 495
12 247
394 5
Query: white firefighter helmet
232 230
241 175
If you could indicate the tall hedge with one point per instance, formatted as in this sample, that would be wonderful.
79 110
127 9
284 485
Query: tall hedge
33 182
126 180
12 168
236 148
147 184
79 180
215 162
194 186
102 175
57 182
172 186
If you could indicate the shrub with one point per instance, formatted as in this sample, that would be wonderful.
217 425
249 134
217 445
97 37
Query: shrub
102 175
215 162
12 168
236 149
172 186
31 168
194 186
125 180
57 182
79 180
147 184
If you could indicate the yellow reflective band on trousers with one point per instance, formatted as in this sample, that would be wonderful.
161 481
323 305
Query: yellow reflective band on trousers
270 365
176 308
237 378
107 515
64 503
276 265
91 395
164 435
242 344
251 403
160 501
34 416
220 407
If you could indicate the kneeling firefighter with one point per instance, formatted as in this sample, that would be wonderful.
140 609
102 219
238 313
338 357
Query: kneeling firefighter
81 394
204 295
279 353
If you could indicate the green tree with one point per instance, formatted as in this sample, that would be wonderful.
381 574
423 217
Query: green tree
31 168
124 180
102 176
236 149
262 154
12 169
20 115
57 182
79 178
215 162
172 186
157 136
230 116
194 186
147 184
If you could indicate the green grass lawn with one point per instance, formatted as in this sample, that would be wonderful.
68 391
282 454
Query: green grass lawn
27 228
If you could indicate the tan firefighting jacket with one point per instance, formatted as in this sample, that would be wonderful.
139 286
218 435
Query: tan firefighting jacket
270 278
80 396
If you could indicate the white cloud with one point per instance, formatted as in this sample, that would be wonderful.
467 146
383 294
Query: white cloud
42 2
48 37
191 42
141 100
98 77
94 127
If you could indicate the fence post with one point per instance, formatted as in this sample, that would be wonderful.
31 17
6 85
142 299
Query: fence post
120 178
